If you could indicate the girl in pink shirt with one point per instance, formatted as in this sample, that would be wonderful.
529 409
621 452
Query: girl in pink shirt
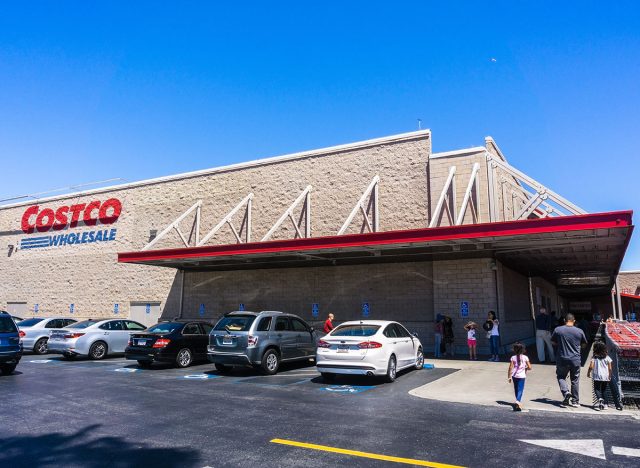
517 373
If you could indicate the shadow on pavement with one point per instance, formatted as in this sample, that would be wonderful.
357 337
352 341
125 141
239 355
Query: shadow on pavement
81 449
548 401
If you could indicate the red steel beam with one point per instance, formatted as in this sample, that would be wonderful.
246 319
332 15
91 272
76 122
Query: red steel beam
611 220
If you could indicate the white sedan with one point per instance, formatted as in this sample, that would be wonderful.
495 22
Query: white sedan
368 347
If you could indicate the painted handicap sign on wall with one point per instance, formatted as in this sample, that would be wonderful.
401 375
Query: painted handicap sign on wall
147 308
71 308
347 389
365 309
241 307
464 309
36 308
116 308
201 310
315 309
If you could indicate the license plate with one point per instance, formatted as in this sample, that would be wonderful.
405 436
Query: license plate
343 348
142 342
227 340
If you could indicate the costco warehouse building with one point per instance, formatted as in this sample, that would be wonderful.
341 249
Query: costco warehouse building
381 229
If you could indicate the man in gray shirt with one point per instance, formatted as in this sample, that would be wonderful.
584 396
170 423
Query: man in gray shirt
570 340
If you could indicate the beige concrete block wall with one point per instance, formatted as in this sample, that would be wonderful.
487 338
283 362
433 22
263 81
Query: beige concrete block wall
394 291
88 275
629 282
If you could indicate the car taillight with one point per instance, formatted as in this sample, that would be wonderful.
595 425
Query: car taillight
369 345
252 340
324 344
130 342
22 334
69 336
161 343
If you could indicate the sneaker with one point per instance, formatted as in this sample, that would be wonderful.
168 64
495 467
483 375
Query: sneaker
619 408
601 405
574 403
517 407
596 407
566 400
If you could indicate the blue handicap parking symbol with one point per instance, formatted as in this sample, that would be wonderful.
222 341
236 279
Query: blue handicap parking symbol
365 309
241 306
200 376
347 389
116 308
201 311
147 308
71 308
428 366
464 309
315 309
36 308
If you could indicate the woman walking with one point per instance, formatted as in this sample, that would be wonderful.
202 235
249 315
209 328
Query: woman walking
494 336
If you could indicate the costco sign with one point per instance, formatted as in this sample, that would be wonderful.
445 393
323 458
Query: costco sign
94 213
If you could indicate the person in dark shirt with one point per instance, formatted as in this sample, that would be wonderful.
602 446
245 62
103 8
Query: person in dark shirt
543 335
328 324
570 340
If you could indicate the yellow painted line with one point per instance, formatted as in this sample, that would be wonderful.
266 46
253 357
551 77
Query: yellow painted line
356 453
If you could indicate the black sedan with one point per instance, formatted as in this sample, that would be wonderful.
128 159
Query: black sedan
178 342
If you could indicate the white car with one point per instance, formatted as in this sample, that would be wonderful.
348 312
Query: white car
95 338
368 347
34 332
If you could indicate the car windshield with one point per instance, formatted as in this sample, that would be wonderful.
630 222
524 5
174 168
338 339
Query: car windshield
29 322
355 330
235 322
165 327
83 324
7 325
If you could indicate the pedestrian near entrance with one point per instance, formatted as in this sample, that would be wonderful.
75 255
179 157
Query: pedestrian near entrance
543 336
328 324
438 331
492 325
471 329
601 369
570 340
448 335
519 365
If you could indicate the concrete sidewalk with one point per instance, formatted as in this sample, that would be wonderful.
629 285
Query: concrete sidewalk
485 383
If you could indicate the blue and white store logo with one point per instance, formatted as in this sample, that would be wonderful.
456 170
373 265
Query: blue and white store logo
60 240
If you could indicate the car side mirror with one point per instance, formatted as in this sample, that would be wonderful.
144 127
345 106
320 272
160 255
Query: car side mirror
415 334
311 329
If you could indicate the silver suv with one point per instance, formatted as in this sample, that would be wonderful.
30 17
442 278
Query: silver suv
260 339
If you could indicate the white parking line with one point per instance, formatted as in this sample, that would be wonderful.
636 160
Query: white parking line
626 451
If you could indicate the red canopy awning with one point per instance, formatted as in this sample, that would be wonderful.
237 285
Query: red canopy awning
577 253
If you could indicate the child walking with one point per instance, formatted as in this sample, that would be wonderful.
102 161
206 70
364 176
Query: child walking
471 340
601 368
519 365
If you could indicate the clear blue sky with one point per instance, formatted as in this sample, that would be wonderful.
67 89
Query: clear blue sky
143 89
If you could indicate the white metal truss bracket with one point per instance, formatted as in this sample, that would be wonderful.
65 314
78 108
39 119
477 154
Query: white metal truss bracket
447 200
176 225
367 209
469 199
304 217
244 227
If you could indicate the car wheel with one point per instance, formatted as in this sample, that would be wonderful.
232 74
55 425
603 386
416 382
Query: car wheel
41 346
223 369
419 359
270 362
184 358
328 376
391 370
7 368
98 350
144 364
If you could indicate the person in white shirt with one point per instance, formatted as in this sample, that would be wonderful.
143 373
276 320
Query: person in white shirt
471 340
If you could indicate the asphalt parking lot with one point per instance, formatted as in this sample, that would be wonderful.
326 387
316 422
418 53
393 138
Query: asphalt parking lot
110 413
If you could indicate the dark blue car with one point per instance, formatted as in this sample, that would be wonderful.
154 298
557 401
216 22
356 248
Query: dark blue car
10 347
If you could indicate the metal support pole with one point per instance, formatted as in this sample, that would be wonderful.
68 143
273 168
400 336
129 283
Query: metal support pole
620 312
181 292
492 188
